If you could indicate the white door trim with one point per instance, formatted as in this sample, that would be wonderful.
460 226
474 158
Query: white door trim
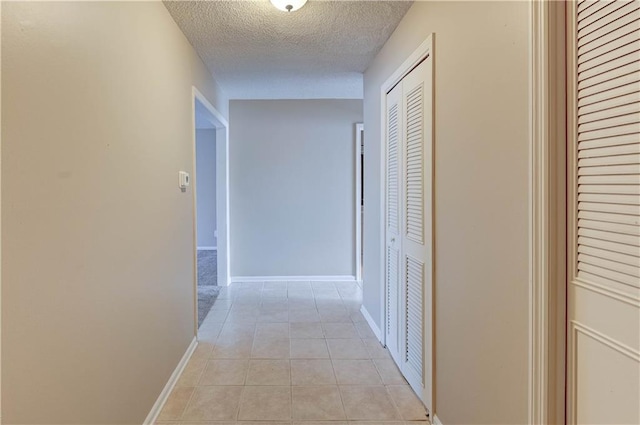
222 196
0 227
358 196
547 214
423 51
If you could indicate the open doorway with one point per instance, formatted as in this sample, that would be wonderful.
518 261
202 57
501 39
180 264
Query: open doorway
210 190
359 206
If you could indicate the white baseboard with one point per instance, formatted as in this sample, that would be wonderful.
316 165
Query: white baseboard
376 330
207 248
436 420
164 395
247 279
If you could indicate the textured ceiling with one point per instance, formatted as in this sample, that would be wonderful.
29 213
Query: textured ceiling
258 52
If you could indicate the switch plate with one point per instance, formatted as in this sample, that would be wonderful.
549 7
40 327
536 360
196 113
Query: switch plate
184 180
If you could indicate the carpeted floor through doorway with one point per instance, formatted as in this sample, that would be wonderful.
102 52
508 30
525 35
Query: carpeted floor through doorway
208 288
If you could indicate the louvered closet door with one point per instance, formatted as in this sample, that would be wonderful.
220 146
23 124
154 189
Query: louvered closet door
394 139
604 213
417 215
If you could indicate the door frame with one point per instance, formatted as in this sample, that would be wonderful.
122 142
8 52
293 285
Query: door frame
423 51
359 151
547 213
222 196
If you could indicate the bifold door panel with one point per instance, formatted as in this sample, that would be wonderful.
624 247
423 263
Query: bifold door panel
409 223
603 334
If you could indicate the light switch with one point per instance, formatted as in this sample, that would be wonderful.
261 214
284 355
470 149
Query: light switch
184 180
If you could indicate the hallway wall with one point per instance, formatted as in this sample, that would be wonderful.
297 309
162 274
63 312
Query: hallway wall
97 242
206 183
481 201
293 187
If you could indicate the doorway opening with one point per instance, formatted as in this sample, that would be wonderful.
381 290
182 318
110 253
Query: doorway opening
211 205
359 206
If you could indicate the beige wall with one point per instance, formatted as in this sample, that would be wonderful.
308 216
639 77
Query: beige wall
97 278
292 187
481 214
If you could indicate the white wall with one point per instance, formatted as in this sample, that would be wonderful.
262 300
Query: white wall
206 186
292 187
97 241
481 213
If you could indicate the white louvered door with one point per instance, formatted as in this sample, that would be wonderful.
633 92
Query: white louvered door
417 212
393 224
603 332
409 227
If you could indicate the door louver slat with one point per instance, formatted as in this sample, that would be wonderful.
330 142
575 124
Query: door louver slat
615 10
414 168
617 257
392 169
414 314
392 286
608 150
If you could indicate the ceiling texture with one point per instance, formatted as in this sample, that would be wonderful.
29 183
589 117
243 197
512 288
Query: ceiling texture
258 52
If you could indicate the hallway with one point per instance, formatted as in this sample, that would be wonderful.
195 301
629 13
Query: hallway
285 352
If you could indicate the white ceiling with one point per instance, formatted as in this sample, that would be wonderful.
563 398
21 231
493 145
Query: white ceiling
258 52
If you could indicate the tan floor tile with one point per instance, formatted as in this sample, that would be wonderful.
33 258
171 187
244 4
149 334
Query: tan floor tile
274 293
265 423
389 372
364 330
270 348
303 304
192 372
299 293
332 316
321 423
381 423
317 403
331 296
215 316
309 349
269 372
224 372
237 330
207 337
204 423
347 349
232 348
272 330
274 317
202 352
275 285
368 403
410 407
356 372
176 403
306 330
312 372
214 404
251 286
357 317
242 318
265 403
339 330
211 330
274 305
305 315
375 349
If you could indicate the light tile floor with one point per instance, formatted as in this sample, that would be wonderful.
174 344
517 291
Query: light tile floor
294 353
